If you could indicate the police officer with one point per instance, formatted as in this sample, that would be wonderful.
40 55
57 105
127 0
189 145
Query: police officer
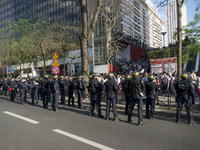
71 88
150 94
95 88
45 91
5 86
80 88
136 88
127 92
62 90
34 91
183 87
22 87
55 92
13 86
111 89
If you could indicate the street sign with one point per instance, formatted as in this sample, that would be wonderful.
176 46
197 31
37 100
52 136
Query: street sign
11 70
56 63
55 56
56 70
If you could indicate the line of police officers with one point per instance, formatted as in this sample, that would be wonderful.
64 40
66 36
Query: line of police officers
133 88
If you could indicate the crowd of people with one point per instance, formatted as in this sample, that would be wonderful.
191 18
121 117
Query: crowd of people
135 85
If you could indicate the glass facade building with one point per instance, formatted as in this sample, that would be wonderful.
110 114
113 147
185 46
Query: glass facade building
65 11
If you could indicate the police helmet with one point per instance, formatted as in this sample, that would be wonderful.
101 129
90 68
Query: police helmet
110 75
128 76
70 78
55 76
80 77
151 77
46 75
135 73
184 76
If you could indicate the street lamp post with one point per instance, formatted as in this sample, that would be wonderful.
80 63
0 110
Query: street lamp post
163 33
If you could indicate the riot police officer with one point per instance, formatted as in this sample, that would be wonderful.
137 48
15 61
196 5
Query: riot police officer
183 87
62 89
71 88
80 88
13 86
22 87
5 86
150 87
111 89
45 91
127 92
55 92
34 91
136 88
95 88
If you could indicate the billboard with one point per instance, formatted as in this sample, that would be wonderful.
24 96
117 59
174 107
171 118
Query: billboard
163 65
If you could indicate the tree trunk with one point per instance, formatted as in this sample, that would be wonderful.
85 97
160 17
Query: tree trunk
84 43
179 36
111 65
71 73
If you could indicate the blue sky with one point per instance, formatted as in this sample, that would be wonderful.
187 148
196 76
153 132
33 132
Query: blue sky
190 5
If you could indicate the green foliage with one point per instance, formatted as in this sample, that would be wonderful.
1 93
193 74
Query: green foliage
190 52
162 53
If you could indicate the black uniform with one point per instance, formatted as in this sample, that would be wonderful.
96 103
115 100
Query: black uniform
71 89
13 85
183 89
55 93
136 87
45 92
5 87
22 87
34 92
95 88
127 93
80 88
111 89
62 91
150 93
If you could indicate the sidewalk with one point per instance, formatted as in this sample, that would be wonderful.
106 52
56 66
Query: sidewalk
162 109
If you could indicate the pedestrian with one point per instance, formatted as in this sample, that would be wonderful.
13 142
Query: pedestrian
150 94
183 87
95 88
136 88
127 92
193 79
198 85
80 88
111 89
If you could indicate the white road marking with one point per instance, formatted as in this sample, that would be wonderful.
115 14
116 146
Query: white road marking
21 117
78 138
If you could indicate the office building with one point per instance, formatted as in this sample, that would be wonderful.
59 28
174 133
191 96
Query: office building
171 20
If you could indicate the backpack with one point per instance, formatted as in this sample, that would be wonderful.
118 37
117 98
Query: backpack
92 87
182 86
125 85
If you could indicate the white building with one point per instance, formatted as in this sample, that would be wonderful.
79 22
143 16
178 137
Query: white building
171 19
143 22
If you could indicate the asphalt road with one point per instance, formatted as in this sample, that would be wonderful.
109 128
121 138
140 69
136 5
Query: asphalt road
71 128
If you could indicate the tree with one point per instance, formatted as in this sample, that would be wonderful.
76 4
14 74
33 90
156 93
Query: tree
179 35
112 12
86 34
